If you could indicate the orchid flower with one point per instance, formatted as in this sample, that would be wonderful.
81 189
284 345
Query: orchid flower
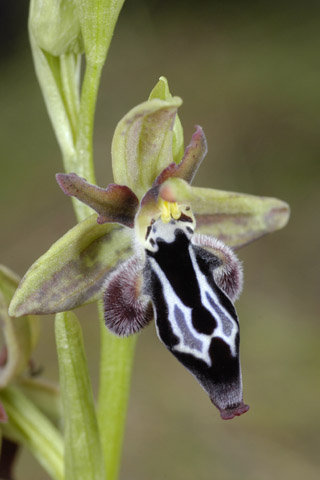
158 249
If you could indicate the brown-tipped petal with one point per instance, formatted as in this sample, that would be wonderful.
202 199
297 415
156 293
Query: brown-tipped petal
71 273
127 309
228 275
234 218
116 203
193 156
230 413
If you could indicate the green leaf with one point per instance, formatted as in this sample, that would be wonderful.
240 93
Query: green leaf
20 334
161 91
45 395
98 19
28 426
234 218
142 144
83 455
73 270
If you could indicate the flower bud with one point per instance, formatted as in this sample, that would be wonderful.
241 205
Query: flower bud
55 26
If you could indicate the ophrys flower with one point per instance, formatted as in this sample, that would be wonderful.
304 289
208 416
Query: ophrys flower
158 249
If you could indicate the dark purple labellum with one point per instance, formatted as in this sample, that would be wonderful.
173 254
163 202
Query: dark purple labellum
195 318
191 280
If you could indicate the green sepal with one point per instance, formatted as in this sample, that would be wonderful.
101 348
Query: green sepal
28 426
142 144
20 334
234 218
161 91
55 26
98 19
71 273
83 454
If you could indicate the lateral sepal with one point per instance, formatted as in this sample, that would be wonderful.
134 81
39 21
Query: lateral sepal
234 218
71 273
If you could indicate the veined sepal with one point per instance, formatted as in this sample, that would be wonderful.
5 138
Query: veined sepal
72 272
161 91
142 143
235 218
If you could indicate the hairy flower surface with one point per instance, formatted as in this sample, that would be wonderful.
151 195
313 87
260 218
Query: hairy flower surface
159 249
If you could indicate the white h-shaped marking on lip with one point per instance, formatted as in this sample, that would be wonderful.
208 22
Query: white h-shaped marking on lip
204 289
172 300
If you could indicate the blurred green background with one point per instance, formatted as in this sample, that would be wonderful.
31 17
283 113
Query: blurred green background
249 74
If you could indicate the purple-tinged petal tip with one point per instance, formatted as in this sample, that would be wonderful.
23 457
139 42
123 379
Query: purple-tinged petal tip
230 413
114 204
193 156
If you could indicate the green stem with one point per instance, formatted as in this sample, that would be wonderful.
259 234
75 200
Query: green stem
83 454
115 375
69 67
84 144
83 161
32 429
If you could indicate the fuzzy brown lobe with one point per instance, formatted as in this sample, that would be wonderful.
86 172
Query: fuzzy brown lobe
126 310
229 276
